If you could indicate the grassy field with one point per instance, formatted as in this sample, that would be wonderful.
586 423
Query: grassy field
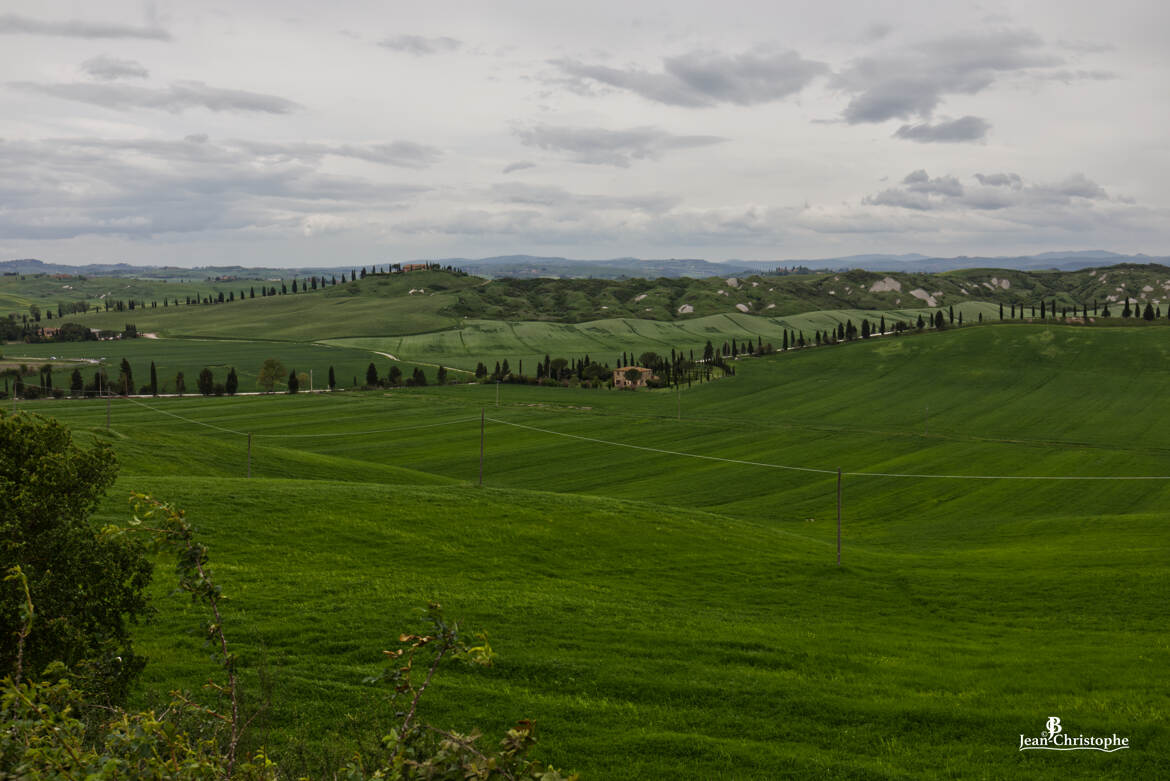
419 302
191 355
605 340
20 291
665 615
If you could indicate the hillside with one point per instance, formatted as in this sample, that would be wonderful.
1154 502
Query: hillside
392 305
664 615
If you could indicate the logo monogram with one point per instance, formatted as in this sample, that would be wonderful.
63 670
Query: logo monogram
1053 725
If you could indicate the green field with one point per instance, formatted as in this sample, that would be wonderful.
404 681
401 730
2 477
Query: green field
657 570
191 355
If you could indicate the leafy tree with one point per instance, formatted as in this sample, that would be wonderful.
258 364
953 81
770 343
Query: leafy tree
87 585
372 375
332 379
649 360
270 371
74 332
294 383
233 382
205 382
633 376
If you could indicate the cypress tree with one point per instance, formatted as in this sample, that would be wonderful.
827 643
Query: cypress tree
233 382
293 383
125 379
372 375
153 380
332 379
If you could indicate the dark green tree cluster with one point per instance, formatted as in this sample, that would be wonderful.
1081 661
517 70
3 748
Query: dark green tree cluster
89 586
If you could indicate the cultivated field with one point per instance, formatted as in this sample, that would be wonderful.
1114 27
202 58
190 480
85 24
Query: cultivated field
657 570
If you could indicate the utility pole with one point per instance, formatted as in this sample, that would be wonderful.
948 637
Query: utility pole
249 454
678 397
482 416
107 409
838 516
310 380
497 393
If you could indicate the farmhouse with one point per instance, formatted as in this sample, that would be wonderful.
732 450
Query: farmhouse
620 380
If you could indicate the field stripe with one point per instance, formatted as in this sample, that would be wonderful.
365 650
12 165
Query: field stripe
825 471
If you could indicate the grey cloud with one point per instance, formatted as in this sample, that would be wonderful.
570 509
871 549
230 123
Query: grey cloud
1086 47
556 197
920 182
108 68
12 24
1000 180
419 45
403 154
703 79
1079 186
876 31
903 199
175 98
74 187
1005 191
956 131
599 146
1069 76
518 166
912 82
712 227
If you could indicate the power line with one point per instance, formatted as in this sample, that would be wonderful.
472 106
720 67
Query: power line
189 420
369 431
821 471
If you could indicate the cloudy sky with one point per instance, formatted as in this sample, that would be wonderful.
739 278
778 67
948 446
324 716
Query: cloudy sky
310 133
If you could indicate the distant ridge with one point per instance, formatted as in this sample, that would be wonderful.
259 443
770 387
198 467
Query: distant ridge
534 266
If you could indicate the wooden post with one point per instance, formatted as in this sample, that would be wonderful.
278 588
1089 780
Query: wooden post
497 393
678 396
838 516
482 416
249 454
107 409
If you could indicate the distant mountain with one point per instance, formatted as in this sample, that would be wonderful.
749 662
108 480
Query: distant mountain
535 267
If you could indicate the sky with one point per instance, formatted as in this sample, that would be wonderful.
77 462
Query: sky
299 133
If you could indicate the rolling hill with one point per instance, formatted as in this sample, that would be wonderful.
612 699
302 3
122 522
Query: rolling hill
657 571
